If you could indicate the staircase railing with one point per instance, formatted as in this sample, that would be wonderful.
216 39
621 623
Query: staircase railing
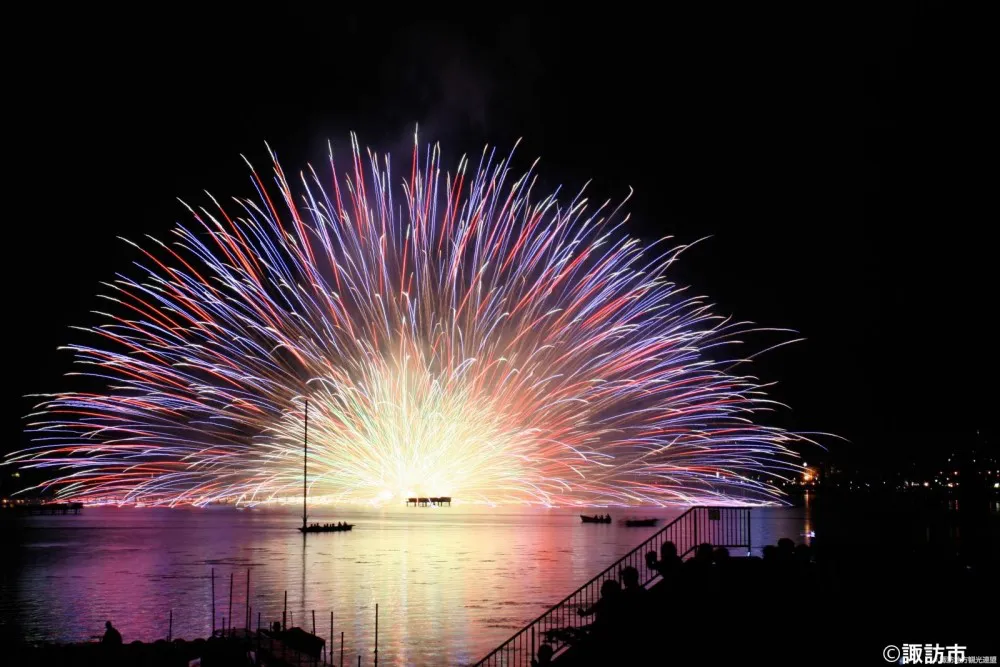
719 526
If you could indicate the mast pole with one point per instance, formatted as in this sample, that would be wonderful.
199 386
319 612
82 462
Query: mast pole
305 465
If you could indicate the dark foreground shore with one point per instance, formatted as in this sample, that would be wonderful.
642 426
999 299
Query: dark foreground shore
279 649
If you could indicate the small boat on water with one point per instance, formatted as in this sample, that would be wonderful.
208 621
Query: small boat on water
314 527
595 519
640 523
326 528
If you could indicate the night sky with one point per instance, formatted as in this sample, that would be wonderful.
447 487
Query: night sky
829 157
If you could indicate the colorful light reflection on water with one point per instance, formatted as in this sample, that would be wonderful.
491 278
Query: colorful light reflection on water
451 583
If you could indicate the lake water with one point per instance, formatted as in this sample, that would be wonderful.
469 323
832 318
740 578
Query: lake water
451 583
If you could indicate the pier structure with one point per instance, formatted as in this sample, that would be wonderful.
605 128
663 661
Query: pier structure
43 508
437 501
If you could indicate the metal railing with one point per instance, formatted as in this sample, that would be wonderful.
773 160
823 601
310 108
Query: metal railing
719 526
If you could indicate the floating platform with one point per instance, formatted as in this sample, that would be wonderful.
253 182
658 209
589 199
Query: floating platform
439 501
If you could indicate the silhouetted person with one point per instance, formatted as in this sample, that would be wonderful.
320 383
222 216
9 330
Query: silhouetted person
786 550
634 599
704 553
720 556
632 590
803 554
111 635
544 656
669 561
604 608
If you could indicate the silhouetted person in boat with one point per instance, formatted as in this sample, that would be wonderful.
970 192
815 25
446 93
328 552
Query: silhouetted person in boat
544 656
111 635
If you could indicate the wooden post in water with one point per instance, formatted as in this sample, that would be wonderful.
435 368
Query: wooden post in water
314 621
331 636
376 634
213 601
284 613
230 602
247 626
341 649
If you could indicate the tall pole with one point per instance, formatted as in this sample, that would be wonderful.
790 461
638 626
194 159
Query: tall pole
213 601
230 600
341 649
248 601
376 634
305 465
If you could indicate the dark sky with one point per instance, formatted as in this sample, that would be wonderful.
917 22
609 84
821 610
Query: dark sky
829 156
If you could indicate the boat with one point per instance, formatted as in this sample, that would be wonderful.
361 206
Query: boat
640 523
595 519
316 527
326 528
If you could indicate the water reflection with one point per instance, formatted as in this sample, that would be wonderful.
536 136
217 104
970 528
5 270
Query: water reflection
451 583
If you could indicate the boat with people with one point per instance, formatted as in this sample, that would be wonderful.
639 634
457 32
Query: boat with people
339 527
640 523
597 518
326 527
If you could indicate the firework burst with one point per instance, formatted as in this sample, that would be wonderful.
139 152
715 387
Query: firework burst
455 335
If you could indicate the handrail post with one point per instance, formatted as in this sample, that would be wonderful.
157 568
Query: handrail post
694 515
749 540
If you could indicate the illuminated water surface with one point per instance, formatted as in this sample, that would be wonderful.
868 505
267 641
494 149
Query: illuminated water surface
451 583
